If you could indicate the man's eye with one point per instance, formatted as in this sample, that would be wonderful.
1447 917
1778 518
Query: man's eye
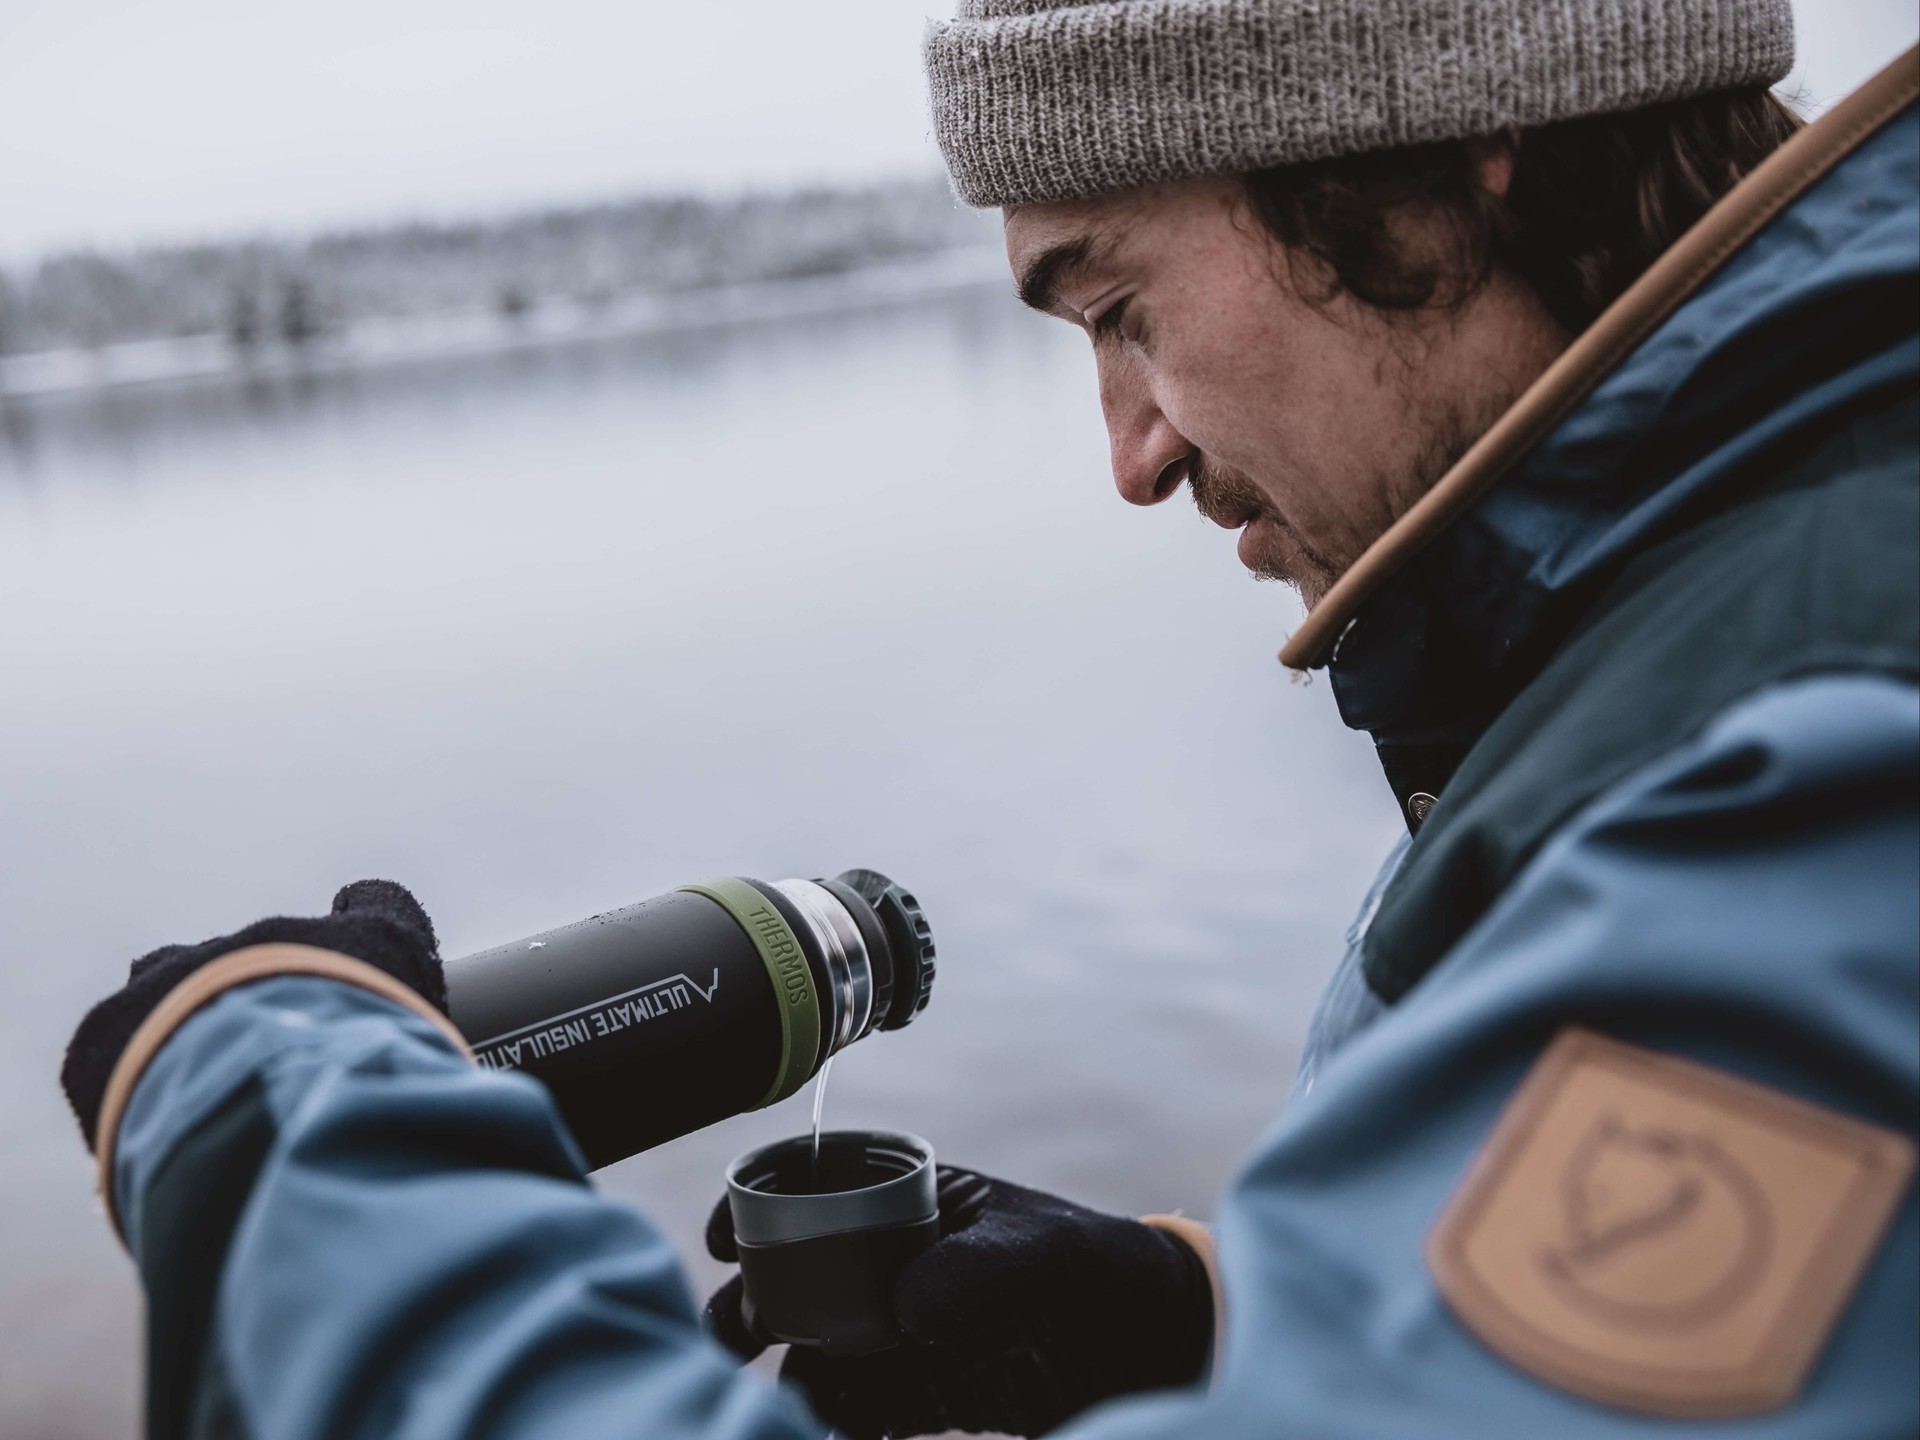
1107 322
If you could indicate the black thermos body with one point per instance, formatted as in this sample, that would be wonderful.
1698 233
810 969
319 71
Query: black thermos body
723 996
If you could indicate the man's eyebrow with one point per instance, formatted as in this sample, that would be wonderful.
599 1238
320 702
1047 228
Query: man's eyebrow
1040 282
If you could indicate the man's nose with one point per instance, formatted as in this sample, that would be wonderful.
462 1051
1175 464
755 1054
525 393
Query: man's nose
1150 457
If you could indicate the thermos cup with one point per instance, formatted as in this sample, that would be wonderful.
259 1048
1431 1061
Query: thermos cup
720 997
820 1242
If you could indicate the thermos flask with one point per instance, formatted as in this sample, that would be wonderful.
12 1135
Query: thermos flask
723 996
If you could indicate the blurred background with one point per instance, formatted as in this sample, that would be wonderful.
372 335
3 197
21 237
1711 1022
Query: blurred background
546 453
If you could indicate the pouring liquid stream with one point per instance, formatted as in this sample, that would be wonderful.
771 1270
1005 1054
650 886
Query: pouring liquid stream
819 1109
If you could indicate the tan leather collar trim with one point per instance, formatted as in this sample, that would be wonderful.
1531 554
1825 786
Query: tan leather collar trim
1775 184
209 982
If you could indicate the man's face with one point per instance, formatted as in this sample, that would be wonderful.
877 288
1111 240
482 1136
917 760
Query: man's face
1308 423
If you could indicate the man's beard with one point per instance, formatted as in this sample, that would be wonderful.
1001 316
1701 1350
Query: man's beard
1311 564
1222 492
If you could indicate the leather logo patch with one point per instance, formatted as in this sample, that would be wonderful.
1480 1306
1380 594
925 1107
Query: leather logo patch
1656 1234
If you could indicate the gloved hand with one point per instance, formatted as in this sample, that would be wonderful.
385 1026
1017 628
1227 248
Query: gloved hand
372 920
1027 1310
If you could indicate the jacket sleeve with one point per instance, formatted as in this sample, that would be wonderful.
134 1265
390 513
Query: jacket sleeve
346 1229
1750 902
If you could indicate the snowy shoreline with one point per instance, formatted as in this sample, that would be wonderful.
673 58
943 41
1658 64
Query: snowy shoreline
373 343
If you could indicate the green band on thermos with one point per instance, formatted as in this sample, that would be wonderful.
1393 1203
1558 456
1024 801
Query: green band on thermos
787 968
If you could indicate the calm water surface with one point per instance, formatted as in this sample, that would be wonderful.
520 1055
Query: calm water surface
543 634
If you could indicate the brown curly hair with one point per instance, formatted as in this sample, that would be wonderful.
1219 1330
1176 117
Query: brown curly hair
1592 203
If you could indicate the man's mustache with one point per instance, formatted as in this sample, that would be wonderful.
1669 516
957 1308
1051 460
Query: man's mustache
1223 494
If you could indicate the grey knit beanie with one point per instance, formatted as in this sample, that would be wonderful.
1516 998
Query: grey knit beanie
1062 99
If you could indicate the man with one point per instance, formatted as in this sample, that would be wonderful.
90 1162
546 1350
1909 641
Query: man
1577 395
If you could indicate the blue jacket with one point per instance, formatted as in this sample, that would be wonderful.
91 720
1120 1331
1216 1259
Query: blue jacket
347 1229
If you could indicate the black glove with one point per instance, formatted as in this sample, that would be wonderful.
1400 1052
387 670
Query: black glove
1027 1310
373 920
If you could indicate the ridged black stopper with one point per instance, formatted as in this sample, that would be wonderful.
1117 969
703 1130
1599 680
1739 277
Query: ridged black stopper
909 940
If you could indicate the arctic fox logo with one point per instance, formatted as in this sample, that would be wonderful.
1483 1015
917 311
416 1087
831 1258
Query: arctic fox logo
1662 1229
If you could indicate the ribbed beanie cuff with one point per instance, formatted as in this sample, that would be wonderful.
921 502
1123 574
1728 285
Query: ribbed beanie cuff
1037 100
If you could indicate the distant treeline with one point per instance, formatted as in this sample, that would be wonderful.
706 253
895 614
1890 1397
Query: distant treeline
292 291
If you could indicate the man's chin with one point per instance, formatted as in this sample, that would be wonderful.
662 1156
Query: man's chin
1271 551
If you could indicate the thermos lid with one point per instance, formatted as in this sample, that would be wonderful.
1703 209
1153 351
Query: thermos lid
909 944
767 1188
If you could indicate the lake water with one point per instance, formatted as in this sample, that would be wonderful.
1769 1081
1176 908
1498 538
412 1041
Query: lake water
550 632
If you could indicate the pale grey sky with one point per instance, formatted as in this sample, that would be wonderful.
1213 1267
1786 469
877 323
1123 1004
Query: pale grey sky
127 120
